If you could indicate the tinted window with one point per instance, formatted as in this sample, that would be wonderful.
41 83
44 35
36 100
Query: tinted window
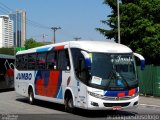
18 62
41 61
80 65
31 61
52 60
63 60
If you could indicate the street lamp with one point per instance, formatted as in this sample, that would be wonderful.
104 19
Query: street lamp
54 31
119 38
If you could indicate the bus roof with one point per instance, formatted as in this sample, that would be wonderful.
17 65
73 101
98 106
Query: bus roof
101 46
91 46
4 56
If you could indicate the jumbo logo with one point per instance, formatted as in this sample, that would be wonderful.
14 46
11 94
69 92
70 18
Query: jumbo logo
24 76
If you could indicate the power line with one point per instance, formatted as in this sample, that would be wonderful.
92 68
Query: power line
6 6
6 10
35 24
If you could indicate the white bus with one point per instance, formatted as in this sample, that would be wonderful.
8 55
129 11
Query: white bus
91 75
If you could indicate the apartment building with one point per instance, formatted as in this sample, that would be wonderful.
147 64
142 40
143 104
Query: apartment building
6 31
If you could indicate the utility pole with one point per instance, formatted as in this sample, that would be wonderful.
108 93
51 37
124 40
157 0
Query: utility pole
77 38
119 38
54 33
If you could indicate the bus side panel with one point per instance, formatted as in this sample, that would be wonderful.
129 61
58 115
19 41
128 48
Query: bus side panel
22 81
48 85
82 95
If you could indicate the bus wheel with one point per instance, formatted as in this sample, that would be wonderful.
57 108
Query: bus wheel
69 107
31 97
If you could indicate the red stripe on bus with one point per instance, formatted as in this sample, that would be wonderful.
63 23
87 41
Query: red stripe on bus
121 94
59 47
131 92
51 89
53 83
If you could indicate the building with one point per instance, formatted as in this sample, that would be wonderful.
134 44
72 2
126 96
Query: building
6 31
19 20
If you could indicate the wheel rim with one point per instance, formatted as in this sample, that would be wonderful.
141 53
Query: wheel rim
30 97
70 104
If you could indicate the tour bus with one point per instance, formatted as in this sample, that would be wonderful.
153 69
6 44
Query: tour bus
6 71
93 75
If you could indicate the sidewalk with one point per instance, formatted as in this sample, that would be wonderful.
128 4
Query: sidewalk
149 101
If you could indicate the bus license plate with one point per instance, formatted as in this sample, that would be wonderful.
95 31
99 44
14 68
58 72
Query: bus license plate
116 108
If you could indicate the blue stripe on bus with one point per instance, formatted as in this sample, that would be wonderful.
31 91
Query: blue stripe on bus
115 93
60 94
42 49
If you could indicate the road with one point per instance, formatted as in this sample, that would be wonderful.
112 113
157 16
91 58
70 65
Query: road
16 107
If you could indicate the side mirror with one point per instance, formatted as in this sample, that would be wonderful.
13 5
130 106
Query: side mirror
87 59
141 58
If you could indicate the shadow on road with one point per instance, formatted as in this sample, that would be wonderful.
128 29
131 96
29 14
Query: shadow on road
6 90
80 112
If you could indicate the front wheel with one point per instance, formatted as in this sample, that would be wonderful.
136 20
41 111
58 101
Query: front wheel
69 107
31 97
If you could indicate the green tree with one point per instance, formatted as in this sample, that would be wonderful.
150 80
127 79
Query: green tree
31 43
7 51
140 26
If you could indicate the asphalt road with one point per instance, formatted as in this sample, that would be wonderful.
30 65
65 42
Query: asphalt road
16 107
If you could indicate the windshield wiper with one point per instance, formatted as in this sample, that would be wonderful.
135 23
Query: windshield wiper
128 86
113 76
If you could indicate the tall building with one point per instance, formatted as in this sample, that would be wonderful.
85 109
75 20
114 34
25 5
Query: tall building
19 20
6 31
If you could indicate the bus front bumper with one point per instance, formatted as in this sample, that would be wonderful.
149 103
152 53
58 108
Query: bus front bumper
100 104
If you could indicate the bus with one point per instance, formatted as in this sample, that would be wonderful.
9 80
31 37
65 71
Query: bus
6 71
92 75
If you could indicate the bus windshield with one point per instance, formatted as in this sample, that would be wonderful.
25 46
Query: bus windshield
112 71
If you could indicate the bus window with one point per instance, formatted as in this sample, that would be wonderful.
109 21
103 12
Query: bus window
24 62
52 60
31 61
81 71
19 62
63 60
41 61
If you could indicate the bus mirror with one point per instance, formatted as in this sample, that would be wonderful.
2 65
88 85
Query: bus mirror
87 59
142 64
142 60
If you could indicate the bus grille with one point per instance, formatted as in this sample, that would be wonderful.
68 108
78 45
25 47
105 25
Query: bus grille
119 98
116 104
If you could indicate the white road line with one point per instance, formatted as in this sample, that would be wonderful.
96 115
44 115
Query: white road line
150 105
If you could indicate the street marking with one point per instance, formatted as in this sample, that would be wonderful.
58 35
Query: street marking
150 105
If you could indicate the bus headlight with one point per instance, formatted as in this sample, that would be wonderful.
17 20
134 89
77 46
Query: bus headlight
134 95
95 95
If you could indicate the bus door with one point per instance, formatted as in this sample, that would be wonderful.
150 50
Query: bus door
81 73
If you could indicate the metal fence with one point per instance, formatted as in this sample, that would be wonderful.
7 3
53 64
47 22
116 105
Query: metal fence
149 80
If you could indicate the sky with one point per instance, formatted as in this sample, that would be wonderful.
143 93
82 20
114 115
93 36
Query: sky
77 18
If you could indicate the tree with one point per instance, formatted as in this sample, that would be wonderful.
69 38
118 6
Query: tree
31 43
7 51
140 26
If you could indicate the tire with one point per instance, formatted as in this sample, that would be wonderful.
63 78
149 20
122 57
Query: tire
31 97
69 107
